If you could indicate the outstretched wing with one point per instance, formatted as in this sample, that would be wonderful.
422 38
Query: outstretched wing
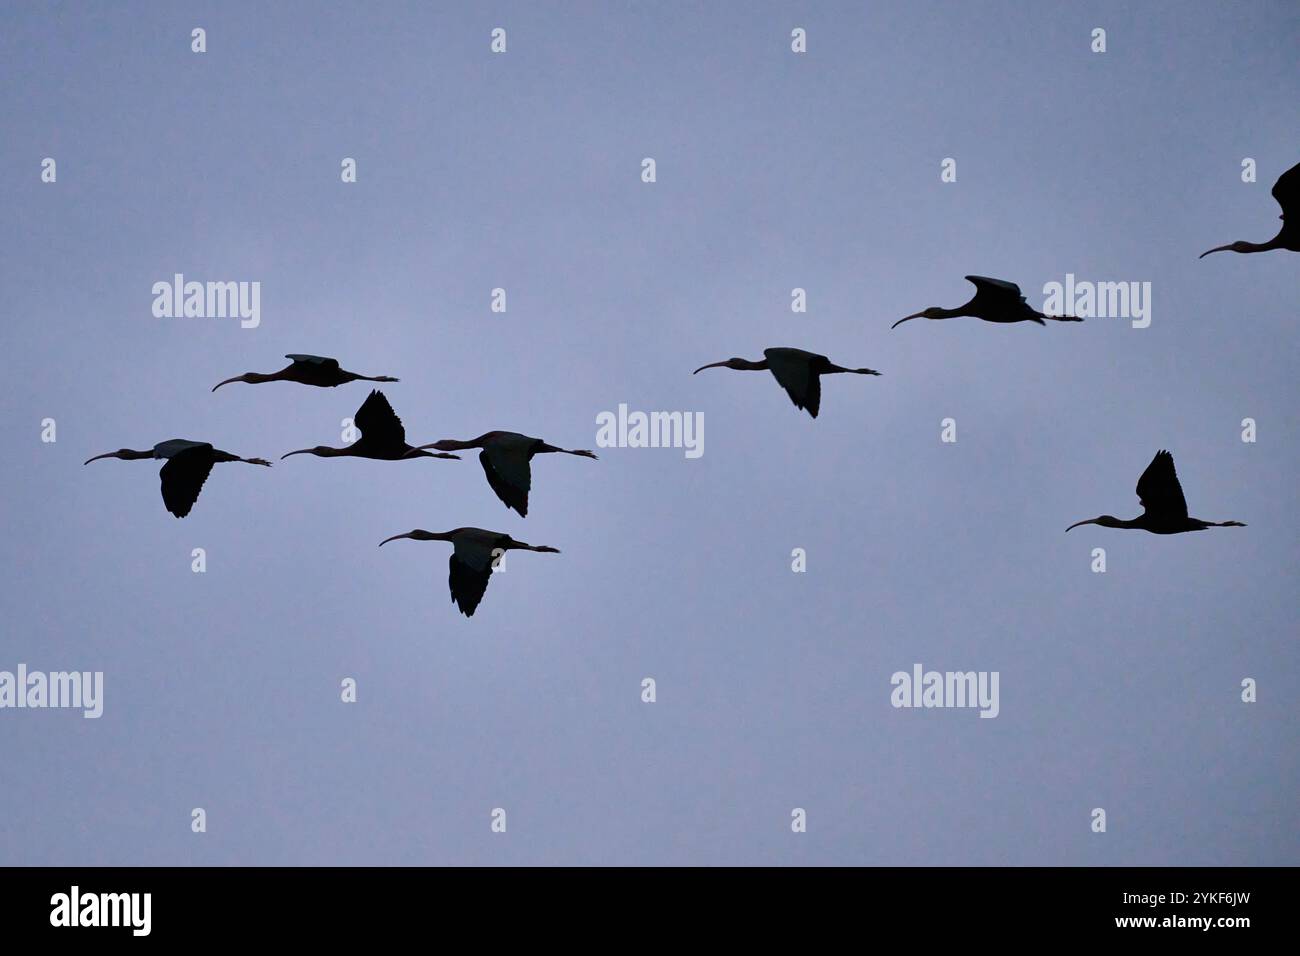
1287 192
378 422
795 374
1000 300
183 477
510 476
313 360
1158 488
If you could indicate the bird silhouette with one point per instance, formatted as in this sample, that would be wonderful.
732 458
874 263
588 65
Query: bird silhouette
1164 508
796 371
995 300
1287 193
382 436
475 554
188 465
307 370
505 458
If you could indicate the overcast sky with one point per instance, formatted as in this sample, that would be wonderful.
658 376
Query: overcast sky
775 170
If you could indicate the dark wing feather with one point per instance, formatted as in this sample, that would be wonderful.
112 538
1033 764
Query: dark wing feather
313 360
512 494
468 584
183 477
1287 191
999 300
1158 488
795 374
999 287
378 422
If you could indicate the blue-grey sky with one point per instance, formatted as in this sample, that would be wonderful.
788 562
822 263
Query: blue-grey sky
775 170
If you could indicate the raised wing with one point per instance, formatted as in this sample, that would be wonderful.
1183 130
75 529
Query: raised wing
183 477
378 422
1000 301
794 373
998 287
510 476
314 360
1287 192
1158 488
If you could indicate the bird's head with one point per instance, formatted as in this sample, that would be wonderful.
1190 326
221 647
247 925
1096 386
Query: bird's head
250 378
736 363
934 312
1106 521
1239 246
323 451
419 534
126 454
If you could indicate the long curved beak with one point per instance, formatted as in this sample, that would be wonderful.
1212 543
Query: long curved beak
711 365
237 378
1077 523
107 454
300 451
1226 248
394 538
914 315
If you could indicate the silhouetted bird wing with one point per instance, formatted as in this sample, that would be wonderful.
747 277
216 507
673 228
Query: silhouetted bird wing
999 288
470 566
1158 488
183 477
1287 192
378 422
795 375
510 476
314 360
174 446
999 297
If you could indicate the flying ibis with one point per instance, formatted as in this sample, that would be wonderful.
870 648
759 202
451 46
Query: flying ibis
382 436
188 465
995 300
506 458
307 370
475 553
796 371
1165 509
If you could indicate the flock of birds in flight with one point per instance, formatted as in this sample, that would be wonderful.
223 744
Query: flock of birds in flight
506 457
